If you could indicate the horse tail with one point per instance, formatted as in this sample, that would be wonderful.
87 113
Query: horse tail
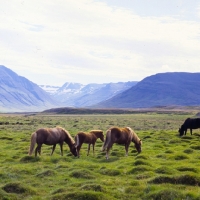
107 141
33 141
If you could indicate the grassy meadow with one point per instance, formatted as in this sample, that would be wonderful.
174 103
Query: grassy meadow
167 168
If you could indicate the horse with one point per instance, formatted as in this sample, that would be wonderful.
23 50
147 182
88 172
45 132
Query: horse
88 138
51 136
123 136
190 123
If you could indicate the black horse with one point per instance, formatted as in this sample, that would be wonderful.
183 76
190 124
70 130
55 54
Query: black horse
189 124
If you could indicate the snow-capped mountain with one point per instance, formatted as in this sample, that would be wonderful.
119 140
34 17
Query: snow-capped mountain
79 95
50 89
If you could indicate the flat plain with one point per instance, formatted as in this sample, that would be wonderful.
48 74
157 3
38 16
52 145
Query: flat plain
167 168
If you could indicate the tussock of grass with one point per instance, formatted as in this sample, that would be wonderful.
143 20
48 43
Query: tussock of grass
169 151
141 162
6 138
141 157
190 169
93 187
163 170
83 195
183 179
145 175
60 190
17 188
82 173
181 157
165 194
110 172
139 169
188 151
195 147
46 173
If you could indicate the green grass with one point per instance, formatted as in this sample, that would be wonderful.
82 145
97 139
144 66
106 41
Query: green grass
167 168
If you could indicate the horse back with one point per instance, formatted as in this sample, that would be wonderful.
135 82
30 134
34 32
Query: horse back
121 135
49 136
85 137
192 123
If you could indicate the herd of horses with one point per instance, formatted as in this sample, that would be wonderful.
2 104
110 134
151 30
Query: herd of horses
118 135
58 135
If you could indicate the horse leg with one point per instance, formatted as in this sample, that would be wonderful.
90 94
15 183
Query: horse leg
53 148
107 153
126 148
38 149
78 150
61 149
93 148
88 149
185 131
191 131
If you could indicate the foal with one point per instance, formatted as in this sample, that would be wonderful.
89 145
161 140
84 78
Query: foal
88 138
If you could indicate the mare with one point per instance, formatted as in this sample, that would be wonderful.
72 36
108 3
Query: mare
88 138
121 136
51 136
190 123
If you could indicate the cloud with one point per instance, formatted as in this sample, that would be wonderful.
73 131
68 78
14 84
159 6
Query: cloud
95 41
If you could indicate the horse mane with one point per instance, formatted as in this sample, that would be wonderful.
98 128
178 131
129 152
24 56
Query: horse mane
67 133
135 138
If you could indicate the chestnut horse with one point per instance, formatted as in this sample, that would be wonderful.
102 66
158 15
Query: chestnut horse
88 138
121 136
51 136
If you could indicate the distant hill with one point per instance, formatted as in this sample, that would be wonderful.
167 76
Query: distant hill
79 95
163 89
19 94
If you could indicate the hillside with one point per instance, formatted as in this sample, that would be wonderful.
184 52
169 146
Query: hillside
163 89
19 94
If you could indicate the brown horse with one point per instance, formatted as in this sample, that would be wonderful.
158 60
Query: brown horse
121 136
51 136
88 138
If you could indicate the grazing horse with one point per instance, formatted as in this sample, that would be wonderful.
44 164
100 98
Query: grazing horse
121 136
51 136
190 123
88 138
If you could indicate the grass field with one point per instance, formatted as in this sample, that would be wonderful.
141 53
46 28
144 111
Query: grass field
167 168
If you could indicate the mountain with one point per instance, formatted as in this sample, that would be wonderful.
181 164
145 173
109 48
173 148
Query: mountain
19 94
163 89
79 95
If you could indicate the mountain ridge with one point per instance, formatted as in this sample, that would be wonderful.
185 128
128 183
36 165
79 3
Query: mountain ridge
19 94
162 89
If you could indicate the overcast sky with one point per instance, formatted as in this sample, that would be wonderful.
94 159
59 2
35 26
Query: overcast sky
90 41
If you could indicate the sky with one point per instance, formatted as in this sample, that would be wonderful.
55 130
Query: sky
89 41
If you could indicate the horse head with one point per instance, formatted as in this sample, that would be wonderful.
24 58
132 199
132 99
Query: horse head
73 150
138 146
181 130
102 137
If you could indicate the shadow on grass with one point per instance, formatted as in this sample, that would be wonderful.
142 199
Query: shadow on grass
27 159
